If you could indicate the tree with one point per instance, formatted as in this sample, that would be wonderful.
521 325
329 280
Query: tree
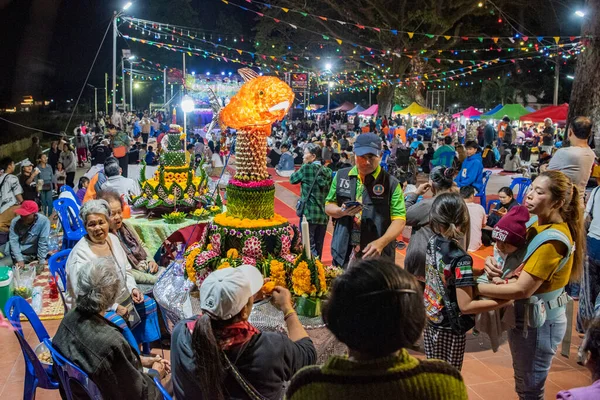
585 96
436 17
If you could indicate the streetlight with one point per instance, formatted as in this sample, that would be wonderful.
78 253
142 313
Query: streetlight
580 14
116 16
130 59
95 98
571 77
328 67
187 105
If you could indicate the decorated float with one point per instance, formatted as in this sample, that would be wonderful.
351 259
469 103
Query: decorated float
250 232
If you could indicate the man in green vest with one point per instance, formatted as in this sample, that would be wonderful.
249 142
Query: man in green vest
367 205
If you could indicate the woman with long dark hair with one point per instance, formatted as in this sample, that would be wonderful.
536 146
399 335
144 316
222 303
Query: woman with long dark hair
221 355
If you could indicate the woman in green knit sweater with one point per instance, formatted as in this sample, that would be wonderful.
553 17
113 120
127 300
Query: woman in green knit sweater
376 309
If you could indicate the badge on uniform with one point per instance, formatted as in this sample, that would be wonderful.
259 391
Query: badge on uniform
378 189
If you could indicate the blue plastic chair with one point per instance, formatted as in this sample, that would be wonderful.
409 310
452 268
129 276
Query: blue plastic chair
68 214
166 395
481 195
56 265
522 184
67 188
35 373
69 372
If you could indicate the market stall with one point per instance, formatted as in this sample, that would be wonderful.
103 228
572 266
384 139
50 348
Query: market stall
558 114
512 111
415 109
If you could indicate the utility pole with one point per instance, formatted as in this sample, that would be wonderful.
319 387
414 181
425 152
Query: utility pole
123 83
96 102
114 65
130 86
106 93
369 96
165 87
556 79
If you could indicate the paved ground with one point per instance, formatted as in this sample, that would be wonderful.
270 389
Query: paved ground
489 375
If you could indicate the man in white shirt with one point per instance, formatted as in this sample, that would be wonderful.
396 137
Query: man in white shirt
577 160
477 216
115 181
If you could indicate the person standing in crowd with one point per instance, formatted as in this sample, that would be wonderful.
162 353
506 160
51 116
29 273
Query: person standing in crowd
28 237
27 180
53 155
471 173
488 133
11 195
146 125
285 166
378 365
221 355
60 176
555 202
33 153
577 160
508 132
548 137
477 217
81 146
327 152
46 191
368 205
67 159
315 181
120 143
417 217
449 284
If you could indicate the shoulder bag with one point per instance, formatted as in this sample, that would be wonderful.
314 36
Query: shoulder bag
247 386
302 202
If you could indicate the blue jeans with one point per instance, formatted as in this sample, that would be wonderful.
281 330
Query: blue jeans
532 356
46 200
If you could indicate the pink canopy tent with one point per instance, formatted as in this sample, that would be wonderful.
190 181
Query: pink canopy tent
347 106
468 113
370 111
558 114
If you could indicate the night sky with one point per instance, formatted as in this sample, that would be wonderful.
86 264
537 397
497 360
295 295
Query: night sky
49 45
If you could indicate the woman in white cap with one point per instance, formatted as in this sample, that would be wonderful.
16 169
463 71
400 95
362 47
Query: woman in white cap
221 355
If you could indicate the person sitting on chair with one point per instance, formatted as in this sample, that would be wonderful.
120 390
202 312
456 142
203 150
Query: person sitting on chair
98 346
28 235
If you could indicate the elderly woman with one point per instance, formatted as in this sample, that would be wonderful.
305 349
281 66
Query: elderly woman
100 243
144 269
98 346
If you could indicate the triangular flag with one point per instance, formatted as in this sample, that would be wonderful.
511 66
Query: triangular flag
525 38
293 26
571 38
495 39
460 61
430 36
285 9
480 39
464 38
410 34
377 29
325 37
239 51
448 37
438 60
323 18
303 14
261 14
276 20
341 22
360 26
189 54
394 32
557 39
540 38
339 41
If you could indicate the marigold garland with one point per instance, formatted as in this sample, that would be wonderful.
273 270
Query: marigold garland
224 265
321 276
189 263
301 280
232 253
278 273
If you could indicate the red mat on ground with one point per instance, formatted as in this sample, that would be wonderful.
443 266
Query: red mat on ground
292 188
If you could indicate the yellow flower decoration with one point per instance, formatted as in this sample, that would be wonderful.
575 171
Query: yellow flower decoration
155 197
321 276
215 208
189 264
232 253
182 136
301 280
224 265
209 247
186 196
278 273
170 197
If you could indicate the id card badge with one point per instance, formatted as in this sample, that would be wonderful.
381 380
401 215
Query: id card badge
355 237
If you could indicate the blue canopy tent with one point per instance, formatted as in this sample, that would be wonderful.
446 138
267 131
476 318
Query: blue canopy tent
530 109
492 111
356 110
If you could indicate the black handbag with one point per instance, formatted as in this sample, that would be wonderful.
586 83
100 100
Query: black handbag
302 202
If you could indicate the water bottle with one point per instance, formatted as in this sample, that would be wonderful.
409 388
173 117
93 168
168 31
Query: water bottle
36 299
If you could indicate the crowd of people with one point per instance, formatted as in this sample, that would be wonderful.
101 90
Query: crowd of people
363 176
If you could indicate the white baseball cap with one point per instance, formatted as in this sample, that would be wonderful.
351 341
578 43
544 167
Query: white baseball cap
226 291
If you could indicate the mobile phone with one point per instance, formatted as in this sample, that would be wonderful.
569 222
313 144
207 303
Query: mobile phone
350 204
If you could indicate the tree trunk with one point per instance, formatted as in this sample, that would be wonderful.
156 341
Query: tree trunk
585 98
385 99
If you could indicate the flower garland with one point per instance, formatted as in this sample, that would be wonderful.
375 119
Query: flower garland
278 273
190 258
232 222
252 184
301 282
321 277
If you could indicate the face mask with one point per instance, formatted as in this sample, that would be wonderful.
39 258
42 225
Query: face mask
499 256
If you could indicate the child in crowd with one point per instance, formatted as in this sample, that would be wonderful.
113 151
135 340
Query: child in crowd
285 167
449 284
82 186
60 176
150 156
477 216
